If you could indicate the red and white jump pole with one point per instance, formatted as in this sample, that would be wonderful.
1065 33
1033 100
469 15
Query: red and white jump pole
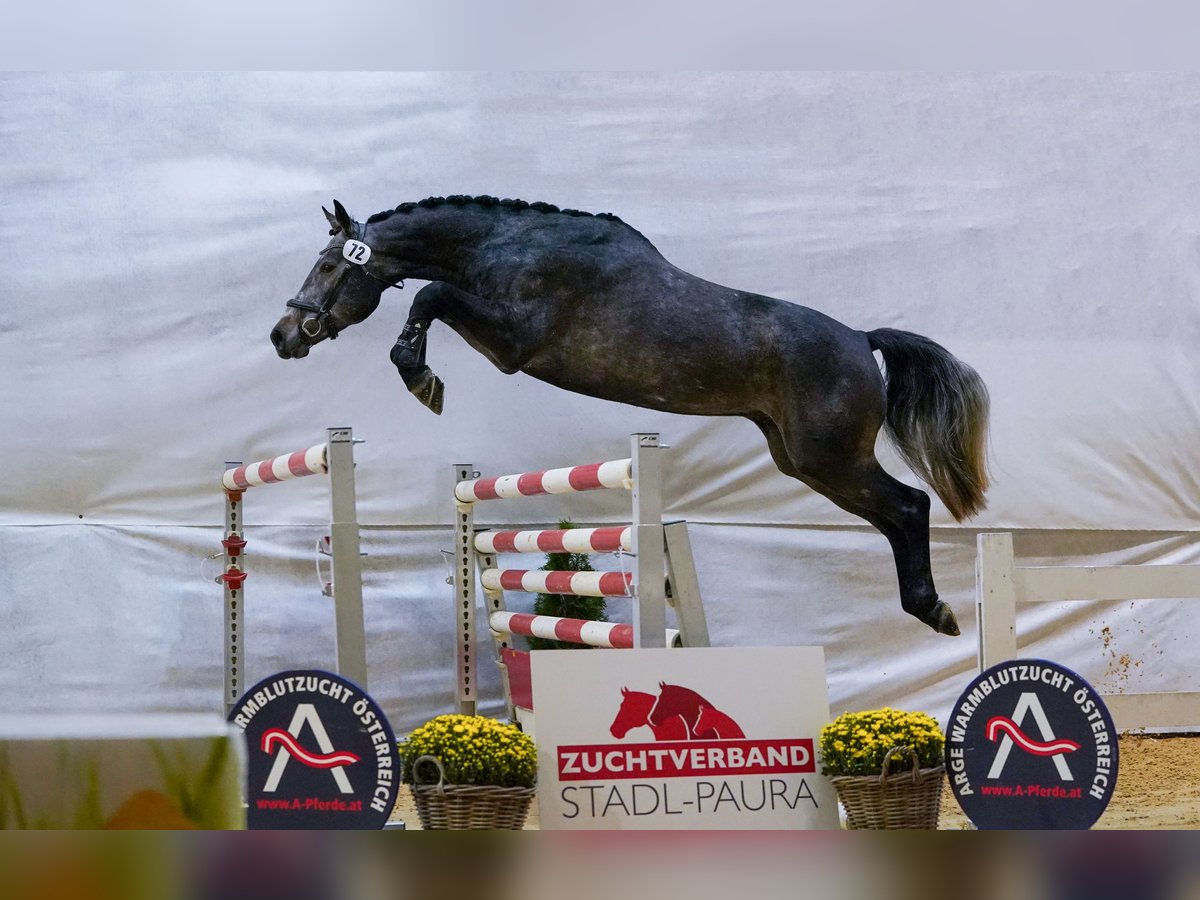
577 631
617 473
278 468
570 540
335 457
554 628
577 584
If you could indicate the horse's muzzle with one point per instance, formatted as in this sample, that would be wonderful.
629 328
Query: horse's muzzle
296 348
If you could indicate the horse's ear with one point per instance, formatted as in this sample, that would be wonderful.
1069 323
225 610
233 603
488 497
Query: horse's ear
624 692
334 227
343 219
662 684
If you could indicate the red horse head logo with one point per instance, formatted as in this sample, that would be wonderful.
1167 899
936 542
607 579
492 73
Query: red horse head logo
676 713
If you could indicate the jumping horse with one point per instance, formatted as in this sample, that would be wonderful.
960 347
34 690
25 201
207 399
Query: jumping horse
586 303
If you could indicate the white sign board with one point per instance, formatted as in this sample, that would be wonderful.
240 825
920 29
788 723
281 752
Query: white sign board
722 737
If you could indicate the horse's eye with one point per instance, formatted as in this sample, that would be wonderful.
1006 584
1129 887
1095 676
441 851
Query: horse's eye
328 267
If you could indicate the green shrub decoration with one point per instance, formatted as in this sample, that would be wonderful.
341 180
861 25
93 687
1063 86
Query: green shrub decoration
567 606
472 750
856 743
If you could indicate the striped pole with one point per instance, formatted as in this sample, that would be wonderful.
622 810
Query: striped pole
553 628
574 631
617 473
570 540
279 468
580 584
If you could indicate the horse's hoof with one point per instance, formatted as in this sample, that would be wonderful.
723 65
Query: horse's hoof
941 619
437 390
428 388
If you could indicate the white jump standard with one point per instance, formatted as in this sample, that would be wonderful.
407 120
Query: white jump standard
659 554
335 457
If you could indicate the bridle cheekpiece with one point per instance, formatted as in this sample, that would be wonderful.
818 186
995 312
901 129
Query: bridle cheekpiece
357 253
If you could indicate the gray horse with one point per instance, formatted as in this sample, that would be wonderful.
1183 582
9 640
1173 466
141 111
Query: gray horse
586 303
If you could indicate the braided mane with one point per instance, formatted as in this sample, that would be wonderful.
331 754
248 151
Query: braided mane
486 202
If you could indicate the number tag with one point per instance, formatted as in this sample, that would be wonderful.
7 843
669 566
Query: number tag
356 251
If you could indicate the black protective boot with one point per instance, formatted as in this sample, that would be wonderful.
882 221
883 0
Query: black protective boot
408 356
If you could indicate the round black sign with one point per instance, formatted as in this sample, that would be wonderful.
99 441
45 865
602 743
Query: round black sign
321 753
1030 744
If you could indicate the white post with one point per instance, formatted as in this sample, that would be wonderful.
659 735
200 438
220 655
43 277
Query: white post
493 601
234 577
685 586
649 586
462 586
347 561
996 599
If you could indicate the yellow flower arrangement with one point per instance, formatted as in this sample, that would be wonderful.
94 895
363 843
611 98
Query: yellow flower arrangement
472 750
856 743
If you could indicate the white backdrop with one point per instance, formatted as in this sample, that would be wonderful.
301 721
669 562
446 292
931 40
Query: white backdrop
1044 228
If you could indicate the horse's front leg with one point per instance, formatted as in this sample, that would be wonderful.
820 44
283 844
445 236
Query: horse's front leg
494 329
408 353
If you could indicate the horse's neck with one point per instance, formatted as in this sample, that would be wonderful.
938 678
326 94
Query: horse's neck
481 249
673 728
640 705
674 698
712 718
437 244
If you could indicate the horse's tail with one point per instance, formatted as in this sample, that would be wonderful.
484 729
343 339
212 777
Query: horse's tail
937 416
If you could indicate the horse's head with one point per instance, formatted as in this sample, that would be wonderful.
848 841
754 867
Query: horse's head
658 714
632 713
340 291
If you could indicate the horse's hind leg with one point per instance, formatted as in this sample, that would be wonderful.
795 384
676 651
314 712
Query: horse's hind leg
862 487
901 513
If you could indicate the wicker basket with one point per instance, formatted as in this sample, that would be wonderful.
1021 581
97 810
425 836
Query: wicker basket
467 806
905 800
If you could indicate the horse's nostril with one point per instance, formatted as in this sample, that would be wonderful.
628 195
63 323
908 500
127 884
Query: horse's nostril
276 338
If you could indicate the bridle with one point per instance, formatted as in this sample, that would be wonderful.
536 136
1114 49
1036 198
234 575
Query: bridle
356 253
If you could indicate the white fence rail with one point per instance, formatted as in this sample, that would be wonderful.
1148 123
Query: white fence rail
1001 585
